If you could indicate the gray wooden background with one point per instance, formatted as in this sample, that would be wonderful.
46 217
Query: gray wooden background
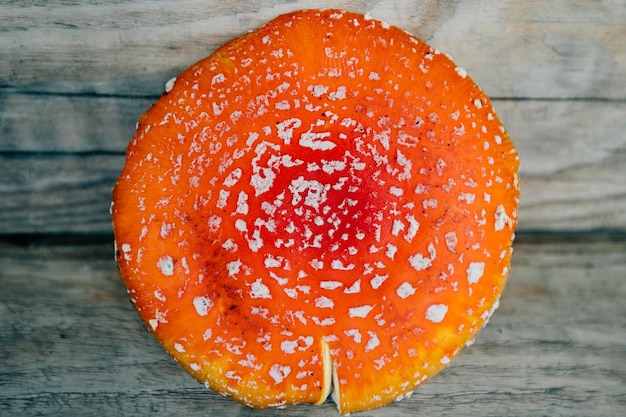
74 78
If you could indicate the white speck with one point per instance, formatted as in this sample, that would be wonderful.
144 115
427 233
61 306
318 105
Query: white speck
391 250
208 333
242 203
289 346
478 103
166 229
202 305
414 226
252 137
219 108
279 372
214 223
360 312
304 289
374 249
467 197
170 84
397 191
339 265
431 203
153 323
354 334
340 94
487 314
397 227
354 288
329 321
475 272
286 127
314 140
271 262
316 264
316 192
373 342
378 280
436 312
233 267
318 90
420 189
330 167
330 285
445 360
461 71
324 302
259 290
441 164
230 245
403 396
166 265
451 241
240 225
180 348
405 290
374 76
223 199
218 78
502 218
126 251
233 177
262 178
302 344
312 167
281 281
159 296
282 105
420 262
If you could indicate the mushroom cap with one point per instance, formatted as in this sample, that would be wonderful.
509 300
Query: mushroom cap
325 198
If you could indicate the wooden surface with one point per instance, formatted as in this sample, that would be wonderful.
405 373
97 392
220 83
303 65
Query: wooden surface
74 78
73 345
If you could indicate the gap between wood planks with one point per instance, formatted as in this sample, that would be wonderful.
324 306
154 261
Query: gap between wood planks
93 94
522 238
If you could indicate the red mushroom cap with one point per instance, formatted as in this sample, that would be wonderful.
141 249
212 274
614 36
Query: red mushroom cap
326 197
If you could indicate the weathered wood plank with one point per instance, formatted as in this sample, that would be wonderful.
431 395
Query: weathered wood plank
68 123
533 48
72 343
57 193
57 167
573 163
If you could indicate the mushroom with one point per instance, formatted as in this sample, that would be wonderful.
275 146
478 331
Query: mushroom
323 204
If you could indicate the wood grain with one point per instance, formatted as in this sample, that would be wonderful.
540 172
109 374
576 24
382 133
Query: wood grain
536 48
73 346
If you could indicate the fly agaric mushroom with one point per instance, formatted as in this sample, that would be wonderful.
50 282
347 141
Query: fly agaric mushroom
324 204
